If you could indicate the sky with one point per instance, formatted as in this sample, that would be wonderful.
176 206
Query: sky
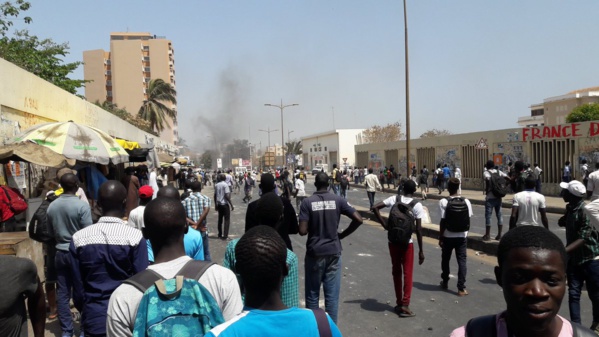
474 65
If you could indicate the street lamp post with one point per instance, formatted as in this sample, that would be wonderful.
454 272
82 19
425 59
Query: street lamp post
281 106
268 131
405 20
289 141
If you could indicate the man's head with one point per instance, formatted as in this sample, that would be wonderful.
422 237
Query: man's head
584 161
196 186
532 273
334 166
409 187
536 164
222 177
444 165
168 192
490 164
321 180
453 184
530 183
261 260
165 222
130 171
567 162
146 192
111 197
64 171
269 210
519 166
573 191
423 166
267 183
69 183
370 170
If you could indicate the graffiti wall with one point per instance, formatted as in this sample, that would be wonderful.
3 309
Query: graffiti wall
588 148
510 152
448 155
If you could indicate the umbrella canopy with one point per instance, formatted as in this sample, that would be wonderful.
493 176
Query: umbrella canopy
33 153
76 141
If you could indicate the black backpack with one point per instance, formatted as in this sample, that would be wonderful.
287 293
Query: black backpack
499 185
457 216
401 222
38 226
337 176
344 182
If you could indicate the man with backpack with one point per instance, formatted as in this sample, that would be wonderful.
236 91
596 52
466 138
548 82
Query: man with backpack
344 184
405 217
527 205
265 314
336 178
439 174
496 186
455 224
165 223
532 275
319 219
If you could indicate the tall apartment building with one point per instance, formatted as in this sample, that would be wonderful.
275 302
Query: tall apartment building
122 75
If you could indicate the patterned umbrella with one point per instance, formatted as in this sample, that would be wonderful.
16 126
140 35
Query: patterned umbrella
76 141
33 153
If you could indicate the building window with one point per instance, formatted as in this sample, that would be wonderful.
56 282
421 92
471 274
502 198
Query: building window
325 148
319 148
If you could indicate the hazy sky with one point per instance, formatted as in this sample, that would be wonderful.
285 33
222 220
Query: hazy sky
474 64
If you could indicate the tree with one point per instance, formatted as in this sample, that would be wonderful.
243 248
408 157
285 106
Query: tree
435 133
206 159
43 58
239 149
583 113
154 109
10 11
126 116
294 147
383 134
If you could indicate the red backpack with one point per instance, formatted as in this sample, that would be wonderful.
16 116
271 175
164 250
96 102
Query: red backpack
15 202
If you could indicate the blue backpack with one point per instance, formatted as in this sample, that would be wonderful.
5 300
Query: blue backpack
175 307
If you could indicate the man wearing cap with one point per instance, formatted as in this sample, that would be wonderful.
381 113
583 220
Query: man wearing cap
583 251
136 216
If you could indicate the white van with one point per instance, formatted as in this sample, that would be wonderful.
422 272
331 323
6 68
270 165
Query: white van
240 170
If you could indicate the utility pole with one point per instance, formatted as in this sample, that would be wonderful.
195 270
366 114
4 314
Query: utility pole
282 107
405 19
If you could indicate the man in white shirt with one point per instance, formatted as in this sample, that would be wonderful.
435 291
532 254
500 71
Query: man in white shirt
300 192
455 224
492 202
402 258
527 205
165 225
536 172
136 216
593 184
371 181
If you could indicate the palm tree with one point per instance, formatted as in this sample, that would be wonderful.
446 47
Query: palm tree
153 109
294 147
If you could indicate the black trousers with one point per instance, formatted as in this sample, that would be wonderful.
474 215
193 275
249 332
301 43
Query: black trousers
224 213
459 245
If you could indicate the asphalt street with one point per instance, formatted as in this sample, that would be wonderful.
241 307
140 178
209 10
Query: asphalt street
367 296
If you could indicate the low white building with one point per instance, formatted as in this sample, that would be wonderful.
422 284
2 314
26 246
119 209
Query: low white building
330 147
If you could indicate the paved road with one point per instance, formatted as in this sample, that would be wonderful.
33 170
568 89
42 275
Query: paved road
367 296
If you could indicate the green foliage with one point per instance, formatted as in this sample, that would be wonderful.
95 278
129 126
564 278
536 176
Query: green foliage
42 58
154 110
9 11
435 133
206 159
583 113
126 116
294 147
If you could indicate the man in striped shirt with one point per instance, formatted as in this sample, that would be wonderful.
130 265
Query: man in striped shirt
197 207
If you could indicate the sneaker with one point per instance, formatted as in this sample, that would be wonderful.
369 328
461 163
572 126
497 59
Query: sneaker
443 285
462 292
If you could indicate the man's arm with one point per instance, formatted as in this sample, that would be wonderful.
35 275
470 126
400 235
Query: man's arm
303 227
140 256
442 225
376 210
355 223
36 306
544 220
228 198
203 216
419 239
78 294
514 217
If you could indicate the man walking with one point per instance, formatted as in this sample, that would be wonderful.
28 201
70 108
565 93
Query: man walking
455 224
66 215
197 207
319 218
336 178
371 181
593 184
527 205
103 256
492 202
536 172
583 251
402 257
222 201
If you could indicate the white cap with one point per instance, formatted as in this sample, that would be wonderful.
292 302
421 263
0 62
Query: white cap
575 187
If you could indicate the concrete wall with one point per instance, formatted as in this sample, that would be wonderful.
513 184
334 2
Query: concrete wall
339 144
29 100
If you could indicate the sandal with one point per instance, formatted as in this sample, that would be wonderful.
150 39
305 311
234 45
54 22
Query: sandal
486 238
53 316
404 311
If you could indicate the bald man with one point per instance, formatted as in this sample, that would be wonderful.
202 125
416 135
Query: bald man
104 255
166 225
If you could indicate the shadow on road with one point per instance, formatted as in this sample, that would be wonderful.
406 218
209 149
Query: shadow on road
371 304
488 281
428 287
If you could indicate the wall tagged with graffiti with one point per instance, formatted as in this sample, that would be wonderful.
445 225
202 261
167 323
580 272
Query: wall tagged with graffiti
511 152
449 156
588 148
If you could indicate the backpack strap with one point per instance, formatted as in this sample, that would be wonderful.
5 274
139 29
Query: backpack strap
413 203
581 331
195 269
143 280
324 328
483 326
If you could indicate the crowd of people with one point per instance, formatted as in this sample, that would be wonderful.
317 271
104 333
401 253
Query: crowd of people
144 266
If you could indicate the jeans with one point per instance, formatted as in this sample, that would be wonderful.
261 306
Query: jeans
63 291
371 198
490 204
578 274
206 245
224 212
449 244
336 189
402 269
325 270
440 185
298 203
538 186
344 193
